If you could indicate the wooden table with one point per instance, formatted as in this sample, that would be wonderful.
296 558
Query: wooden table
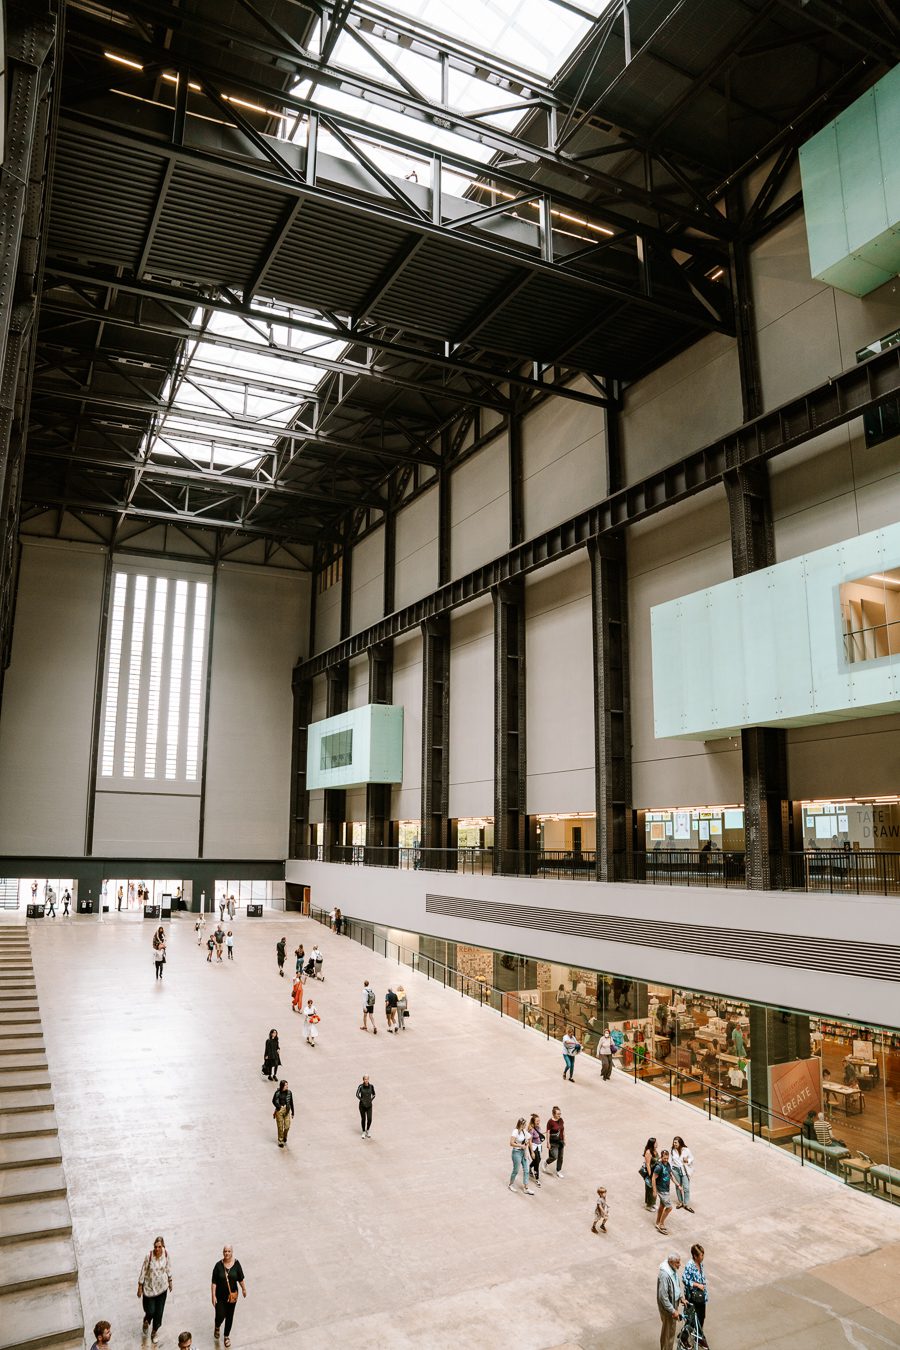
843 1094
860 1165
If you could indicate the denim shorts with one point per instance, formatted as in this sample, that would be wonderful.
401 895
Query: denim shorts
663 1198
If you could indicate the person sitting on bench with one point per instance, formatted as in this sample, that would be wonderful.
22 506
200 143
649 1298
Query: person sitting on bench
825 1134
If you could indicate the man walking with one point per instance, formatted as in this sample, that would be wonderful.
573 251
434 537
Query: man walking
368 1008
365 1095
390 1010
51 902
668 1300
280 953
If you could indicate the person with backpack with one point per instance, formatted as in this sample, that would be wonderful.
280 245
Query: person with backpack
281 954
390 1010
365 1095
368 1008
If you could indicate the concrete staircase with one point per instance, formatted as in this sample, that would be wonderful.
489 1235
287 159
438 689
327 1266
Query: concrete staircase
39 1301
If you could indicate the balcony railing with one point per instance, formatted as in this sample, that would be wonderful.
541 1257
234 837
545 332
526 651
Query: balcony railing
835 871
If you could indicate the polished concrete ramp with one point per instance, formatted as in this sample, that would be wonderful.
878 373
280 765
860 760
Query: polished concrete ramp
410 1239
39 1302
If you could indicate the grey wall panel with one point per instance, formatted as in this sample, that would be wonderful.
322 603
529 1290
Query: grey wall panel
48 700
472 712
367 577
479 500
358 682
559 690
563 461
328 617
260 621
416 573
856 759
147 825
356 804
407 693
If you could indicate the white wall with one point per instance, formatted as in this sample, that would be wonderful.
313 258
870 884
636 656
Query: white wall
472 711
146 825
358 682
48 699
406 799
559 693
367 581
563 461
479 508
260 624
416 548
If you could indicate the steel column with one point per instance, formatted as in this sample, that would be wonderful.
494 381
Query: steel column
516 484
612 713
390 558
444 523
337 691
380 832
346 592
300 834
438 830
510 820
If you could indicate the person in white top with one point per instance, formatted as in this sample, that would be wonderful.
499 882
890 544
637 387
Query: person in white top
681 1160
154 1284
332 916
520 1143
311 1018
368 1007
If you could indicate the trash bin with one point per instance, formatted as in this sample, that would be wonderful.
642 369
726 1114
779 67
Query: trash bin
151 911
35 911
254 911
85 907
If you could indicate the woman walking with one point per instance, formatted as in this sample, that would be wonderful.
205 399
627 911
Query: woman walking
520 1145
696 1290
365 1095
556 1141
159 951
681 1160
605 1055
537 1139
311 1018
271 1056
651 1158
154 1285
300 959
297 993
227 1277
283 1102
570 1048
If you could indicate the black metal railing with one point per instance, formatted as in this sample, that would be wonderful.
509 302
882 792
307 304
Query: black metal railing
757 1118
836 871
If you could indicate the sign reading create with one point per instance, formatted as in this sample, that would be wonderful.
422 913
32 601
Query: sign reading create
795 1088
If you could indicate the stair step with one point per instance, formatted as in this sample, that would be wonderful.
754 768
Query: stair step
28 1265
33 1219
34 1318
29 1153
18 1036
26 1099
30 1076
11 1018
23 1124
39 1182
10 1053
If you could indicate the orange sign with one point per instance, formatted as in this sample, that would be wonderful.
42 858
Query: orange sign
795 1088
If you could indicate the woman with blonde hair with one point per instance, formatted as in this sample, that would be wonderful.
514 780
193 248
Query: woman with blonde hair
154 1285
520 1144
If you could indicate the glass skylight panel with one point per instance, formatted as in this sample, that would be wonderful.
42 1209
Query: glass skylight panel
113 670
154 689
138 615
175 672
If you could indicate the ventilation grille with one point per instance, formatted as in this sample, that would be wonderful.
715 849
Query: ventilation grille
865 960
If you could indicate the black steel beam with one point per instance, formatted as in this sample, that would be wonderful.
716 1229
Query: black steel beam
612 711
302 716
510 740
336 696
845 396
390 558
379 826
516 479
437 829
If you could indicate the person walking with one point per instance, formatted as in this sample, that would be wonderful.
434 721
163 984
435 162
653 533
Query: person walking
67 900
198 929
668 1299
537 1138
119 898
154 1287
312 1019
662 1185
365 1095
229 944
601 1211
232 908
570 1048
651 1158
283 1102
271 1056
299 959
51 902
159 951
34 891
221 909
219 936
605 1055
696 1290
368 1007
390 1010
519 1143
227 1278
297 993
681 1160
210 948
338 922
556 1141
280 954
402 1008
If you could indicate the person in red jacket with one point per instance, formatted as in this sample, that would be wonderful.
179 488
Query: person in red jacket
556 1141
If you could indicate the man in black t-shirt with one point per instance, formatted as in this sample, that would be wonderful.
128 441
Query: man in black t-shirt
280 953
227 1277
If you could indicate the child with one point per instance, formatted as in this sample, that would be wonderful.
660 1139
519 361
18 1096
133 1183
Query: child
198 929
601 1211
210 948
229 943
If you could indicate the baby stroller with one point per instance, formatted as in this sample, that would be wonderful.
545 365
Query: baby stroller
313 969
691 1337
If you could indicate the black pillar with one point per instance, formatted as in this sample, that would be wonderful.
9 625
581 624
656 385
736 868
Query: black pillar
337 687
380 833
346 591
516 482
777 1036
612 712
390 558
510 821
443 524
438 831
300 830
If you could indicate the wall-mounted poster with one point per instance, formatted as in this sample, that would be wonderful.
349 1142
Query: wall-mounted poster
657 831
682 825
703 829
795 1088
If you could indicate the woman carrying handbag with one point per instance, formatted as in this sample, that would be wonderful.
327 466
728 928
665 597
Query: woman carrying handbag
227 1278
154 1284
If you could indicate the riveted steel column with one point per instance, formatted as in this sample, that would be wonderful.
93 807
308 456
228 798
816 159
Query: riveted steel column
516 479
763 749
612 711
390 558
336 693
300 839
380 832
444 520
438 831
510 820
346 592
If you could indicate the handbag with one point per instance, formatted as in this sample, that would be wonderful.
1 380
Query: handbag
232 1294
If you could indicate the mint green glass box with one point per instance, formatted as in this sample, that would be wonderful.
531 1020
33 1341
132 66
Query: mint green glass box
363 745
851 192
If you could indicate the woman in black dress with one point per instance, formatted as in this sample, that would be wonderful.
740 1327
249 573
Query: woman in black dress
227 1278
271 1057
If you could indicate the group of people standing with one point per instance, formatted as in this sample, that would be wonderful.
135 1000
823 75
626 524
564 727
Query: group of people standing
661 1170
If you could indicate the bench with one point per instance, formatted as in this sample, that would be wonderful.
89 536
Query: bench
826 1152
884 1178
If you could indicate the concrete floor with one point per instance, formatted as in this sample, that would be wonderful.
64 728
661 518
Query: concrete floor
410 1238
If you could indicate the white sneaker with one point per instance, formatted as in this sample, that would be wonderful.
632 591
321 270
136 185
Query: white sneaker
560 1175
527 1191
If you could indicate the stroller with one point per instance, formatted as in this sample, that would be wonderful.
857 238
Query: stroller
313 968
